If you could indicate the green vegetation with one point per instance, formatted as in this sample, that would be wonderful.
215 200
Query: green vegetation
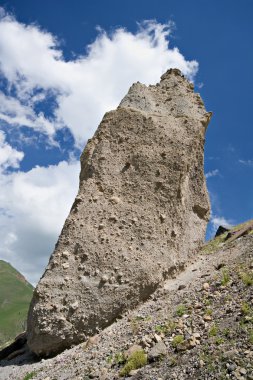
247 278
245 308
219 340
29 375
215 244
144 319
213 330
226 332
207 301
225 277
165 328
137 360
119 358
15 297
135 326
178 339
209 312
181 310
161 329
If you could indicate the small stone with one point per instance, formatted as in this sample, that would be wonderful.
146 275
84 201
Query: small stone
183 346
192 342
162 217
65 254
207 318
230 367
181 287
133 372
243 371
92 341
74 305
206 286
238 376
114 200
157 338
104 278
201 363
159 350
131 350
65 265
180 324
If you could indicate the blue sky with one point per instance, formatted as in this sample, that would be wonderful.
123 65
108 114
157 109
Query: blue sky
64 63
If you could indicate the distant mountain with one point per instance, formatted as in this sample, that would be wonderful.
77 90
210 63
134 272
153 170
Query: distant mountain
15 297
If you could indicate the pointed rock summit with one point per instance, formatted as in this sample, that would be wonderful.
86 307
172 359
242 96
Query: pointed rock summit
139 216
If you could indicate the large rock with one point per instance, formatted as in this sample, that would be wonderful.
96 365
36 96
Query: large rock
140 214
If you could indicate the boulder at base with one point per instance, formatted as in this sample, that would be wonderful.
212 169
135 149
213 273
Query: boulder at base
139 216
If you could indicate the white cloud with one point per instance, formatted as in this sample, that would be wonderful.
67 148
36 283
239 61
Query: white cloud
217 221
246 162
221 221
9 157
87 87
13 112
212 173
34 206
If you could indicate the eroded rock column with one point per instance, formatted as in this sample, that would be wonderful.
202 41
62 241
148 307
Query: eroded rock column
140 214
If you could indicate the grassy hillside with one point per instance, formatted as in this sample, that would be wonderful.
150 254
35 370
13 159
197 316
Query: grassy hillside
15 296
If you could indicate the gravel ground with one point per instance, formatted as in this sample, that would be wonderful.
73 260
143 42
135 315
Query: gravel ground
199 325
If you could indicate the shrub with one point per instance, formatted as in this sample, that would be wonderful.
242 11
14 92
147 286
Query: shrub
247 278
219 340
137 360
213 330
29 375
119 358
209 311
181 310
226 332
225 277
178 339
245 308
166 328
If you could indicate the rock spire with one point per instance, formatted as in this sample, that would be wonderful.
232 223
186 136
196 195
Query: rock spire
139 216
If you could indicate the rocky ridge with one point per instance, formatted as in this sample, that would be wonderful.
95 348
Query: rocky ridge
139 217
199 325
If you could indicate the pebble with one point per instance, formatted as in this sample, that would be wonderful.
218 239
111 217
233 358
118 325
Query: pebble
132 349
157 338
207 318
157 351
206 286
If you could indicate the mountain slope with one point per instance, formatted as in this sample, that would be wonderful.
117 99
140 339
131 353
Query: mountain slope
15 297
199 325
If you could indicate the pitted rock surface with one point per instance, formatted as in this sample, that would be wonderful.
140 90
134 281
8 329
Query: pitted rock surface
139 217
